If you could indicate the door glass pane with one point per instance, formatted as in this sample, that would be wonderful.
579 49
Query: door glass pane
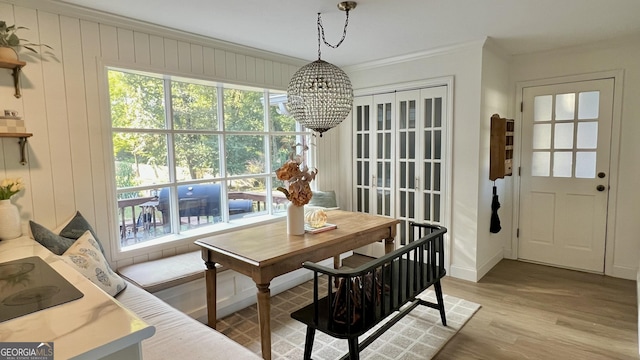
437 143
387 146
366 146
436 176
380 146
412 145
366 118
366 174
387 123
359 172
359 118
412 205
542 136
427 145
359 199
542 108
565 105
427 176
366 200
380 116
562 164
412 175
427 113
403 145
563 137
587 135
379 180
379 201
403 174
359 146
438 112
540 164
586 164
427 206
387 203
387 174
588 105
436 208
403 204
412 114
403 114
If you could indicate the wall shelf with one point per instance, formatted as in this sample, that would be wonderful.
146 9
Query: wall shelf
501 147
15 66
22 142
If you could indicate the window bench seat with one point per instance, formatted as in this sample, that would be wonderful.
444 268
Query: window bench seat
165 273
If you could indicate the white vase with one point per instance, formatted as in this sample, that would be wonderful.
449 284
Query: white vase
295 219
10 227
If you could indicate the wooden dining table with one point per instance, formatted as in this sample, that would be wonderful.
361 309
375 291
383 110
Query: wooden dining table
265 251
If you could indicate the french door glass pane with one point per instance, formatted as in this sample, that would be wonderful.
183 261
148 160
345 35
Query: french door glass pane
403 203
379 196
427 206
197 156
412 114
380 116
427 176
387 145
359 179
542 106
366 201
565 106
436 208
365 165
366 146
359 146
359 199
380 174
387 122
588 105
412 145
403 175
387 174
387 203
403 145
438 112
412 205
359 118
436 176
412 175
428 103
427 145
380 145
562 164
437 144
366 118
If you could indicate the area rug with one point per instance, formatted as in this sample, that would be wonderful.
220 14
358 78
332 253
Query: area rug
419 335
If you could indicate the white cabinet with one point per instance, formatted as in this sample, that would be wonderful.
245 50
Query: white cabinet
399 155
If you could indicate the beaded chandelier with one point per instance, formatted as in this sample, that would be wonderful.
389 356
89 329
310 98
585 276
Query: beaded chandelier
319 94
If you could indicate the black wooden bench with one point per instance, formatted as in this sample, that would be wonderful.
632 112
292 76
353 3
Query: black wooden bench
374 291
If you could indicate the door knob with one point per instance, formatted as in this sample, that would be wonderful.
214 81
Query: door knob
600 187
601 175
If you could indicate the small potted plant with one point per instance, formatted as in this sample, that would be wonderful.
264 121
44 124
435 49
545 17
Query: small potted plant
9 41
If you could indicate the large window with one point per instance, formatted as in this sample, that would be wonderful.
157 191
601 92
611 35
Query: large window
191 155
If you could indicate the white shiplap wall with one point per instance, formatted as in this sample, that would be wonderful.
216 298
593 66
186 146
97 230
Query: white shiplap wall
64 104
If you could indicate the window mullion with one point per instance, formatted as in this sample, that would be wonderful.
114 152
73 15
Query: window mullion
224 203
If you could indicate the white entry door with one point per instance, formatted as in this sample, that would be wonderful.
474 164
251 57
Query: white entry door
566 131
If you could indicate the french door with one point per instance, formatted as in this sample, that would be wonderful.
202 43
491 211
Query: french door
399 155
566 135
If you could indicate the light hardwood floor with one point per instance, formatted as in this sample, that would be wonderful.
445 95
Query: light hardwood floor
532 311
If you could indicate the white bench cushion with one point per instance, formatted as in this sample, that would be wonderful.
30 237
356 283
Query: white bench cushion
156 275
177 335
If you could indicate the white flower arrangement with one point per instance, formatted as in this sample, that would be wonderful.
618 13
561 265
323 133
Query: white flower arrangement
10 187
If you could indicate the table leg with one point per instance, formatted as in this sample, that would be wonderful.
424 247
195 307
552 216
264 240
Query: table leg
389 245
210 280
264 319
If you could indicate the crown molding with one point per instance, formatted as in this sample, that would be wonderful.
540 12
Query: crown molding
475 44
83 13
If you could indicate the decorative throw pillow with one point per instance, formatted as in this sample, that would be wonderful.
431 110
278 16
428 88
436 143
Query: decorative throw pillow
76 227
85 256
325 199
55 243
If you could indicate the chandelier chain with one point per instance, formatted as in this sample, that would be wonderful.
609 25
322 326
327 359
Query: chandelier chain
321 31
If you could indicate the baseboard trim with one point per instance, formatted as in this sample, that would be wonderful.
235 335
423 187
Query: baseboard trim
463 273
493 261
623 272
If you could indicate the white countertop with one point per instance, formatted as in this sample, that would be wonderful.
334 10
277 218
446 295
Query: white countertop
91 327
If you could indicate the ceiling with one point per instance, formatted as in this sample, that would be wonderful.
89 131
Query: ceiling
380 29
